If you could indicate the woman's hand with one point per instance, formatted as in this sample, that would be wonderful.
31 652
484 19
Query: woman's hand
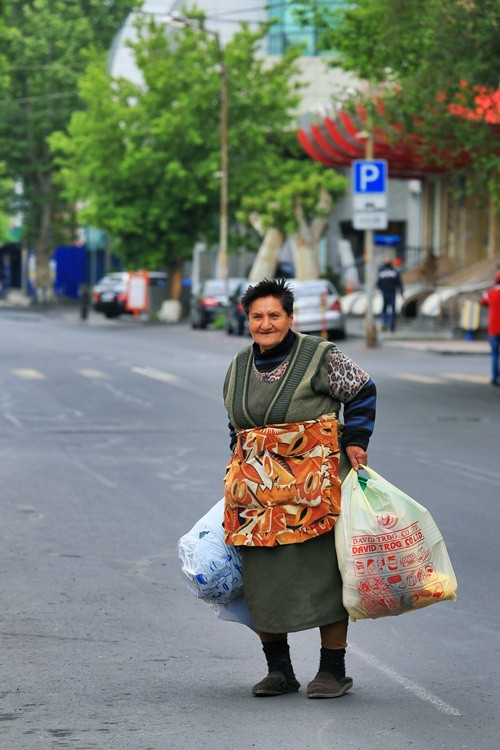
357 456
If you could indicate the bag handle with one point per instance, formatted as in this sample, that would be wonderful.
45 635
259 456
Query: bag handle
352 489
373 474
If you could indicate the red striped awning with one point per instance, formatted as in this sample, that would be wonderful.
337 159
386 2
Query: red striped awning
337 142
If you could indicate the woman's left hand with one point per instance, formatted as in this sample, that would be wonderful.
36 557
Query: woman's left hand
357 456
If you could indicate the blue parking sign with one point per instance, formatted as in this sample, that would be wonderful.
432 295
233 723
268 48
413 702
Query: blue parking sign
370 176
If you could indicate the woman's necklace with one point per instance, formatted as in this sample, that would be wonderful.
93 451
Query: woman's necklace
273 375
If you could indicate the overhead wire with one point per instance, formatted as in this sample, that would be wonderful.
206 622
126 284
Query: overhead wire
23 116
45 66
44 97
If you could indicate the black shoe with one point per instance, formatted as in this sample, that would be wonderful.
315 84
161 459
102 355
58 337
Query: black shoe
495 382
327 685
276 683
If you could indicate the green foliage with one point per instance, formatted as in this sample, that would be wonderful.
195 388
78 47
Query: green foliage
44 48
418 54
6 207
146 159
298 187
220 321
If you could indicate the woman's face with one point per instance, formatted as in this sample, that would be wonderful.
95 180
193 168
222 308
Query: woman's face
268 322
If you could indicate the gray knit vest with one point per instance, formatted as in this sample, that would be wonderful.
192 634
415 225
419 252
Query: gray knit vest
292 398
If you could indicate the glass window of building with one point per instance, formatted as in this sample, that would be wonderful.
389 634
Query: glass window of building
287 31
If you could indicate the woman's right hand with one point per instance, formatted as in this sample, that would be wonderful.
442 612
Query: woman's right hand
357 456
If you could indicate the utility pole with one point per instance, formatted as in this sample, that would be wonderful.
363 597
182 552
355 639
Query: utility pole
223 230
179 20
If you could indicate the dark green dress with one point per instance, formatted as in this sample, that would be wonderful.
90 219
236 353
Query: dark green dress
295 586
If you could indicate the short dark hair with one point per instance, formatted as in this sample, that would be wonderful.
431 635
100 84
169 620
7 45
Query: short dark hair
269 288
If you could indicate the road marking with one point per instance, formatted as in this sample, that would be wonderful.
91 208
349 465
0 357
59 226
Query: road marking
468 378
29 374
6 406
418 378
167 377
473 473
93 374
164 377
413 687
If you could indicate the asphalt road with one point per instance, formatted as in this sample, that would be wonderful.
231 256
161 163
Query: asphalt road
112 444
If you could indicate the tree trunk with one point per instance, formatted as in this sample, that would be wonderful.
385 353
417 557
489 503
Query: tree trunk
268 256
43 243
176 280
307 259
309 235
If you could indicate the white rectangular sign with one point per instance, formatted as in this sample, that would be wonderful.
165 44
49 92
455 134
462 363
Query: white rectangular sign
137 295
369 194
369 220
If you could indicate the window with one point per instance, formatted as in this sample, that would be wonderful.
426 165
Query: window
287 31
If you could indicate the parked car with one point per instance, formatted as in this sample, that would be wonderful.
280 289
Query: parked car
236 319
212 300
110 293
317 308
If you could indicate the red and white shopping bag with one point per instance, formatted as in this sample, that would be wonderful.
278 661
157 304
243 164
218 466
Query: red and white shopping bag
391 555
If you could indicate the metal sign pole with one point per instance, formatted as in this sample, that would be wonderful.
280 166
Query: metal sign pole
369 213
370 332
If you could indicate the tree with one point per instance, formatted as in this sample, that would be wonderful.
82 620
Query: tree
6 190
45 47
145 159
299 207
430 63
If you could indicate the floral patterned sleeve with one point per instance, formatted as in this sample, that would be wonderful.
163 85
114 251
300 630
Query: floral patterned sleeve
346 379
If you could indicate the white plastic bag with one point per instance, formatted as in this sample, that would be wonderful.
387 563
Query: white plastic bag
212 568
234 611
391 554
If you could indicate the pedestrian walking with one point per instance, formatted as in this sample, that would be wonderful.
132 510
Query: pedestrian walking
84 301
389 282
283 395
491 300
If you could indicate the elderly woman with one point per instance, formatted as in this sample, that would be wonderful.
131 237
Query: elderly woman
282 487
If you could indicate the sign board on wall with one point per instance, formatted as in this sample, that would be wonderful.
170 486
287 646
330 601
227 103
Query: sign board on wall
369 194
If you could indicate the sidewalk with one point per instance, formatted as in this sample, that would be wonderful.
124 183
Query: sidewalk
423 336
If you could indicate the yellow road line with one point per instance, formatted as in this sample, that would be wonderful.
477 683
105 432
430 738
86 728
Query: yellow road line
29 374
419 378
467 378
93 374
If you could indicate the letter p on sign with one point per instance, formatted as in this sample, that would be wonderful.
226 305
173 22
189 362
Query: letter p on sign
370 176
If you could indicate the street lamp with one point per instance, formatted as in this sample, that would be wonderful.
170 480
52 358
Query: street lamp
179 20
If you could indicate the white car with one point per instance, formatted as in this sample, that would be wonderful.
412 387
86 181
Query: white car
317 308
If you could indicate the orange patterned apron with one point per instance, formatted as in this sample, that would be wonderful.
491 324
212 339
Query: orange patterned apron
282 484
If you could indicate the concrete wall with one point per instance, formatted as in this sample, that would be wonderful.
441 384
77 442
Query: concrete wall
404 205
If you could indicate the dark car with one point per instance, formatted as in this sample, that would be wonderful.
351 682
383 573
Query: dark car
236 319
211 301
110 293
